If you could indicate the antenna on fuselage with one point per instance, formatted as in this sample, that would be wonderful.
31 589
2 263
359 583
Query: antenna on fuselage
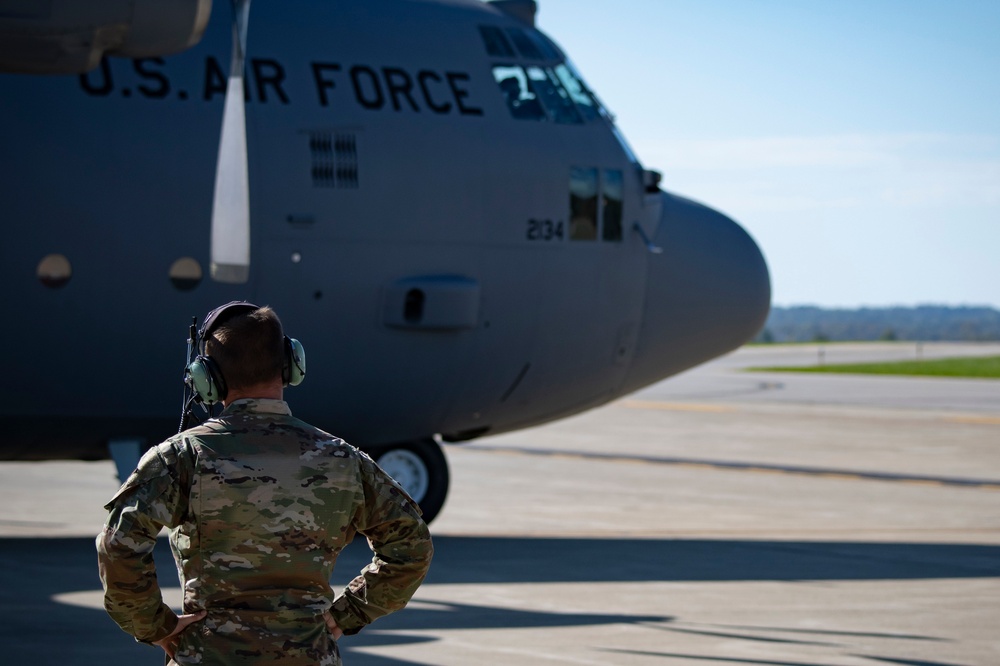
230 250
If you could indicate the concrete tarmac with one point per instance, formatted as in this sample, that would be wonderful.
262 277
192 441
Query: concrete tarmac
720 517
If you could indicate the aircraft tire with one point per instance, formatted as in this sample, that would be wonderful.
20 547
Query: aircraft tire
421 468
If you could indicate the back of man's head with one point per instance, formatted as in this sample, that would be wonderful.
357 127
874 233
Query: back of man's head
249 348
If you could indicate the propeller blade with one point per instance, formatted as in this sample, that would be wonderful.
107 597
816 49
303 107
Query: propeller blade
231 206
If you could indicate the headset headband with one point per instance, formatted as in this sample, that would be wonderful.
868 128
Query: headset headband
221 315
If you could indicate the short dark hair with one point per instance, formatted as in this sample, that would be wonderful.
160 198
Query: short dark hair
249 348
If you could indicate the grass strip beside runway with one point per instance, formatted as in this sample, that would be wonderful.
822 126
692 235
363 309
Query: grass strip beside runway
982 367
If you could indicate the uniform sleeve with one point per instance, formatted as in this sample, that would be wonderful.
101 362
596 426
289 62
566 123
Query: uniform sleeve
154 496
402 548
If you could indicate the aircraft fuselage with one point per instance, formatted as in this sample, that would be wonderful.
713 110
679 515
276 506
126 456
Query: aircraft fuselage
453 262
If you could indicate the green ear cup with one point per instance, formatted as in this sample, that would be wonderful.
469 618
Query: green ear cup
205 379
296 360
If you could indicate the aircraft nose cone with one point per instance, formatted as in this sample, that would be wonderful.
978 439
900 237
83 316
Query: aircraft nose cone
706 294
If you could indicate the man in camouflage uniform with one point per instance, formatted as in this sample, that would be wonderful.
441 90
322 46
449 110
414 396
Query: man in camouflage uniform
259 504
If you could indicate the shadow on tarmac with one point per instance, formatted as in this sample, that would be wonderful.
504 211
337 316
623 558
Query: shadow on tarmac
561 560
36 629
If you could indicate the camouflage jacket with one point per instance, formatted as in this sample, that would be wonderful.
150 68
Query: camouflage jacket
259 504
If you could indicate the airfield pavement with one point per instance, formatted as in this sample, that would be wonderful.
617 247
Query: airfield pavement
720 517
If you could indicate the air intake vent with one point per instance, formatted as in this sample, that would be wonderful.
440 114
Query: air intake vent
334 159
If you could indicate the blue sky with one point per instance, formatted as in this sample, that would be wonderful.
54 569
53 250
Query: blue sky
858 142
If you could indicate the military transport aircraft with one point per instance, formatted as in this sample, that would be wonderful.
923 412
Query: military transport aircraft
428 193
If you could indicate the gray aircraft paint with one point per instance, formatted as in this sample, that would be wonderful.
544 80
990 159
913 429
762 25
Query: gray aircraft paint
439 187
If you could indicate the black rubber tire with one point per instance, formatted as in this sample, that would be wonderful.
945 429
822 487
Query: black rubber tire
430 454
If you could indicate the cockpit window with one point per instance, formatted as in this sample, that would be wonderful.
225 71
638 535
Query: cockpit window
584 101
582 203
612 198
496 42
554 96
596 204
527 47
536 93
519 93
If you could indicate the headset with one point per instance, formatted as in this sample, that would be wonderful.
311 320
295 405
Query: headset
204 383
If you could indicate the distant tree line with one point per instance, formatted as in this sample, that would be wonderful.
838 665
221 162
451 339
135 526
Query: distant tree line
922 323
